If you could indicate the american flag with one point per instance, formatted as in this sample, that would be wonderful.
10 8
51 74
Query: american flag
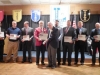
74 22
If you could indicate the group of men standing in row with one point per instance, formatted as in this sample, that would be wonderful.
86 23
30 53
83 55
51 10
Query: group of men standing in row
56 38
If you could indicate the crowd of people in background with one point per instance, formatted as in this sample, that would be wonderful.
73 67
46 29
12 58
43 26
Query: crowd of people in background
56 40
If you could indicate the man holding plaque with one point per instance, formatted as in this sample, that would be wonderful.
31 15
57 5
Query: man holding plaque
60 41
26 38
40 35
80 42
13 34
95 36
69 35
2 36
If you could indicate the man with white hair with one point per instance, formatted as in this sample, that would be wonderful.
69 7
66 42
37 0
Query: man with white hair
39 42
13 34
27 36
95 42
52 45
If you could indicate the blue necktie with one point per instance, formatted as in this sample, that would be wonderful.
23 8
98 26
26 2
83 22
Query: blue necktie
80 31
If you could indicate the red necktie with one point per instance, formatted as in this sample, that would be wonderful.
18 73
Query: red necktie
66 29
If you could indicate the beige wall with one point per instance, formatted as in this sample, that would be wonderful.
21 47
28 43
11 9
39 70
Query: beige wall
45 9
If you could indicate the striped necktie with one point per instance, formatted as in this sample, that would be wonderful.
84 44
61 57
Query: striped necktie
67 28
26 31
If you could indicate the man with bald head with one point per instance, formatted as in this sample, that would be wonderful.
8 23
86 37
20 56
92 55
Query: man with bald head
80 44
13 34
52 45
95 42
27 32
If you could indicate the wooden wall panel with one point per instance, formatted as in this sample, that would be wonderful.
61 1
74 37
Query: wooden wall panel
45 9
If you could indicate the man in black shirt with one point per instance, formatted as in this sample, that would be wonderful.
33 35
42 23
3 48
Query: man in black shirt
1 42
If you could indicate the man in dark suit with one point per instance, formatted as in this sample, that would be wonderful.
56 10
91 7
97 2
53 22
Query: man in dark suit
80 44
1 43
60 31
95 42
52 45
27 44
68 31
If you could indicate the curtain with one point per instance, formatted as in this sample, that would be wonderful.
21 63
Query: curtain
90 24
7 22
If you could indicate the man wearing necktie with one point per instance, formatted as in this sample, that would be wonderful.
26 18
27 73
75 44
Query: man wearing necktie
40 48
1 43
68 31
80 44
95 42
27 44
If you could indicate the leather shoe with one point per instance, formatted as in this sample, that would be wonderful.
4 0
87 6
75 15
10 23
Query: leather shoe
7 61
1 61
37 63
23 61
82 63
53 67
75 63
30 61
48 66
93 64
59 64
43 63
63 63
69 64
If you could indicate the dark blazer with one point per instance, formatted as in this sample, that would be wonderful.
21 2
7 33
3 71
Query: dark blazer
29 32
53 40
83 32
2 41
93 33
71 32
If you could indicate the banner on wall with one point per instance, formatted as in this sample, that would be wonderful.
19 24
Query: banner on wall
1 15
35 15
85 15
61 13
17 15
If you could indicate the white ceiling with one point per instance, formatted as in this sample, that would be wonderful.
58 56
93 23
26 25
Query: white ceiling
25 2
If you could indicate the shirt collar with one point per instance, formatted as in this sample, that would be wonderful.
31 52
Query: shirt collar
13 28
26 28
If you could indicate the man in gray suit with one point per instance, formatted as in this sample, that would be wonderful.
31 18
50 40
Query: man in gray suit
27 32
60 31
68 31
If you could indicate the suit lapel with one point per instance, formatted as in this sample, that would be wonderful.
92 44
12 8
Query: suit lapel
24 31
27 31
82 30
96 32
67 30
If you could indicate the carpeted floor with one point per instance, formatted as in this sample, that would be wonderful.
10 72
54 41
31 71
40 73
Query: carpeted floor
31 69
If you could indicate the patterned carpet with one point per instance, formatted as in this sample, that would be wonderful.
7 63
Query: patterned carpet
32 69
